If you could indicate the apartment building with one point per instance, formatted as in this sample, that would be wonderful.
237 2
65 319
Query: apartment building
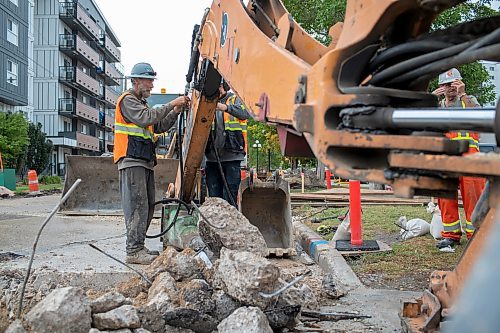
78 78
13 54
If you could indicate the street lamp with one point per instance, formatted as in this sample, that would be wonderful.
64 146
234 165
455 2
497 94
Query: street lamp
257 145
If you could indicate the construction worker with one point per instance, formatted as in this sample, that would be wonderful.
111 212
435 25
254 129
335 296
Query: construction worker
453 90
226 144
134 152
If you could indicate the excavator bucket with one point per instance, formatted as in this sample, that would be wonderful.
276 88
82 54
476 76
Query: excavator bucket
99 191
267 206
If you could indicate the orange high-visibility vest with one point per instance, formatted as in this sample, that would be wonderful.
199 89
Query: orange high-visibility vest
472 137
127 134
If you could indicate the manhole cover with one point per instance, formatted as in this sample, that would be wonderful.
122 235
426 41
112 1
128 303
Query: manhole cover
7 256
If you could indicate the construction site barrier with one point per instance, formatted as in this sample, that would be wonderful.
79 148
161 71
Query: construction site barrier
33 181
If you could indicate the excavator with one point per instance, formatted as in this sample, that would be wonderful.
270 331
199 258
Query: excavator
360 106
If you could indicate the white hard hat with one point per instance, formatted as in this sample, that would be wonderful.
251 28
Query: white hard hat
449 76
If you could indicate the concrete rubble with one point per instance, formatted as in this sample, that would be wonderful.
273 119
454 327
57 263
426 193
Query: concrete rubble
65 310
245 319
123 317
201 300
219 212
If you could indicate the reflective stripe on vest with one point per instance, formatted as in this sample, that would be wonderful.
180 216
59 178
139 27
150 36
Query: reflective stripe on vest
473 138
124 129
134 130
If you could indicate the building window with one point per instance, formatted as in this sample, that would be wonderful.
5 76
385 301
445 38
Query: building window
492 68
12 32
83 129
15 2
12 73
492 77
67 126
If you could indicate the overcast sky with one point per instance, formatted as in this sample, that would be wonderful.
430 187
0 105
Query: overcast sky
158 32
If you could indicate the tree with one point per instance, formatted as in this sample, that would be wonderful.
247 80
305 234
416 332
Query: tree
317 16
39 148
13 138
476 78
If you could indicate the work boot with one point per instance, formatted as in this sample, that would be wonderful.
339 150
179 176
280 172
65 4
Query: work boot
447 242
141 257
152 252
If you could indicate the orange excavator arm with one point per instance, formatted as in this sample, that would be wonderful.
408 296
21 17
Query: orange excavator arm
359 104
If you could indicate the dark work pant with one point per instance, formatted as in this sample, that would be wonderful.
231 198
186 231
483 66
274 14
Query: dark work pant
215 183
137 188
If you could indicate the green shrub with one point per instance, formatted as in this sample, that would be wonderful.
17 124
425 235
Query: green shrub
50 180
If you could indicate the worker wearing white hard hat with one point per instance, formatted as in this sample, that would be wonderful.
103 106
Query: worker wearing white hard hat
452 88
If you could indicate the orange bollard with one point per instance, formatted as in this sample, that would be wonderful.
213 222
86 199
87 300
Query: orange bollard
328 178
33 181
355 212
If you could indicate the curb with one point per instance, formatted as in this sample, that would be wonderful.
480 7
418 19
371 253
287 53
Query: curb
326 256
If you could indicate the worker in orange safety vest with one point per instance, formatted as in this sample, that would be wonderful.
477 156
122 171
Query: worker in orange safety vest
453 90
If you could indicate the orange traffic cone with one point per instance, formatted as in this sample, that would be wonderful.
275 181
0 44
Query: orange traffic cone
33 182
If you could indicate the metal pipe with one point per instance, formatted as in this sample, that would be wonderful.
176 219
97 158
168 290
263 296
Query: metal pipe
474 119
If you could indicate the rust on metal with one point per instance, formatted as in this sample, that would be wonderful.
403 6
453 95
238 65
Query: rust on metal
475 164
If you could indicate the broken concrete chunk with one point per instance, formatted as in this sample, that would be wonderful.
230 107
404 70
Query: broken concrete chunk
109 301
245 275
123 317
16 327
283 316
299 295
159 265
239 233
162 302
64 310
224 305
197 294
183 265
164 282
333 287
151 318
245 319
191 319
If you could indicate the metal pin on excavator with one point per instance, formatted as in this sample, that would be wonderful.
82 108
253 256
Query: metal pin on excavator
360 106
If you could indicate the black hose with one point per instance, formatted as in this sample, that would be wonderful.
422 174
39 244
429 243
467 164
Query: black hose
419 46
167 201
181 170
224 180
429 71
403 67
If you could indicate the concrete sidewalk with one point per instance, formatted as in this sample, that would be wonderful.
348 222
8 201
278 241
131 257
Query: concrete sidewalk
63 245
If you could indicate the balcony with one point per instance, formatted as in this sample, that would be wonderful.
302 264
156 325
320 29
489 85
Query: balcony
70 107
87 142
112 75
75 16
73 46
83 141
76 78
109 121
110 97
111 51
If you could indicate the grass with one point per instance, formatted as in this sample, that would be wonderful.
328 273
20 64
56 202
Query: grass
416 256
23 189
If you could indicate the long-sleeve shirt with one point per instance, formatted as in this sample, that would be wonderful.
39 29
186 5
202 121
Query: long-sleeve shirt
137 111
236 109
